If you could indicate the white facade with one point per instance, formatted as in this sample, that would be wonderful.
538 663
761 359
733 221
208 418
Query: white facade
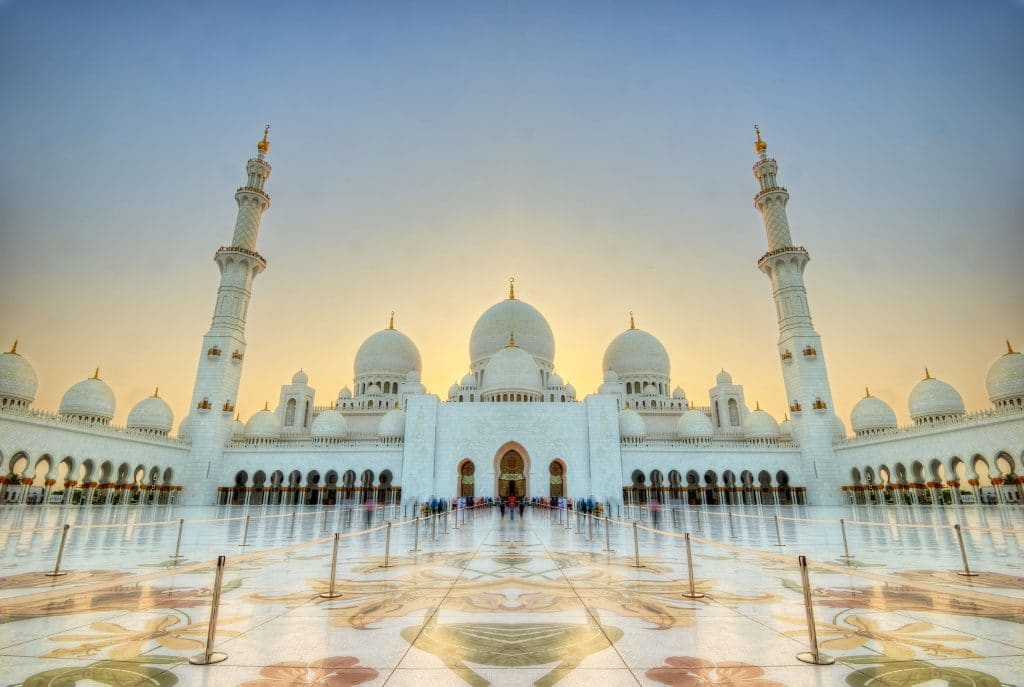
511 423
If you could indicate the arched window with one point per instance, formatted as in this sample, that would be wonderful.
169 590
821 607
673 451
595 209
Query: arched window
734 412
718 416
289 413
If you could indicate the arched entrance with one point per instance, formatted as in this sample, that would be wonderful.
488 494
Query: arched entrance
511 470
467 479
557 479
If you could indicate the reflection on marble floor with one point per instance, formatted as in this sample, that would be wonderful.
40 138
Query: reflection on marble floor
501 603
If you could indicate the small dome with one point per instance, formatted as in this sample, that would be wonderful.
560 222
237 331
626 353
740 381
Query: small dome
453 390
631 425
760 425
635 352
678 394
468 382
345 393
1005 379
183 428
555 382
611 377
693 424
263 425
723 378
18 380
392 425
786 429
389 352
329 424
413 377
300 377
570 391
840 429
532 331
373 390
151 414
872 414
91 399
512 369
933 399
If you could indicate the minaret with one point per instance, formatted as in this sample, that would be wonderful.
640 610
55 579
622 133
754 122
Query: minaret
799 347
223 349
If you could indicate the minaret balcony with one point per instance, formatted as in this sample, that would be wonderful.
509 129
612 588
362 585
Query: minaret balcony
236 356
786 356
252 189
783 251
238 250
758 196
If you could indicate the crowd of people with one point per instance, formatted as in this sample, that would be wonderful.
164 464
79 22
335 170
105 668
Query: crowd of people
511 505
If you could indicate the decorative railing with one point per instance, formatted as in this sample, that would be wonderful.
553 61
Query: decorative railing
243 251
774 189
780 251
720 440
253 189
351 440
56 419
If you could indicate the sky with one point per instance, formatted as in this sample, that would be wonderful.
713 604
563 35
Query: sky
423 153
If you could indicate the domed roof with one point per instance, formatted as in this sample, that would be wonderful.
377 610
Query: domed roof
611 377
932 398
300 377
90 398
512 369
1005 379
570 391
635 352
532 331
723 378
454 390
468 381
392 425
389 351
345 393
263 425
555 381
786 429
151 413
373 390
760 425
413 377
693 424
237 429
17 378
871 414
840 429
678 393
183 428
631 425
329 424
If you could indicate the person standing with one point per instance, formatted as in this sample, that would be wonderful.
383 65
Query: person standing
512 507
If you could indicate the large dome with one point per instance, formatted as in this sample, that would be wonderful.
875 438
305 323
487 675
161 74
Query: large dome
388 352
151 414
760 425
872 414
392 425
18 380
512 316
90 399
631 425
934 399
263 425
694 424
635 352
1005 380
512 369
330 424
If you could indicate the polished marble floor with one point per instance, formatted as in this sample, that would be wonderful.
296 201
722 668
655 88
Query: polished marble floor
494 602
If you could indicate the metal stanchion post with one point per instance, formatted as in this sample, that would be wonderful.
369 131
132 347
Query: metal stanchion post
433 526
813 656
966 572
456 525
323 528
693 593
700 528
387 547
60 554
291 533
209 655
177 547
778 533
636 548
732 530
446 522
846 547
416 537
245 533
675 517
608 534
330 593
590 528
579 523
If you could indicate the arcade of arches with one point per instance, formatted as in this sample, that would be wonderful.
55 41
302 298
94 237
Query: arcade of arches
329 489
693 489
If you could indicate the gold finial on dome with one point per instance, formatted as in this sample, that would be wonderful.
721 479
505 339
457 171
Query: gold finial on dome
927 374
512 340
511 288
1009 348
632 320
867 392
14 348
785 417
264 145
391 320
759 145
238 417
266 405
156 392
757 405
96 374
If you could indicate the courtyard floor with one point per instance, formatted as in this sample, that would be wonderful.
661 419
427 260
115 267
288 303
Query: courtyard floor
494 602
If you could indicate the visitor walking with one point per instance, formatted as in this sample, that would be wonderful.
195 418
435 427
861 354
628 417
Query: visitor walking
512 508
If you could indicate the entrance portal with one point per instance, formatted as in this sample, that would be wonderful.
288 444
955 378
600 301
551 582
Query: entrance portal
466 479
511 475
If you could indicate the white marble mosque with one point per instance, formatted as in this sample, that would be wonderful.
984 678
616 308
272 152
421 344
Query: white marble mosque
512 424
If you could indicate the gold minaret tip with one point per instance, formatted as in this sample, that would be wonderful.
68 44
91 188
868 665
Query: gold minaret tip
785 417
238 417
266 405
512 339
927 374
511 288
391 320
156 392
264 145
632 320
1009 348
867 392
96 374
759 145
14 348
757 405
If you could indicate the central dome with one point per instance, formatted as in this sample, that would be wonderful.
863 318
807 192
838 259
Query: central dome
635 352
389 352
512 316
512 369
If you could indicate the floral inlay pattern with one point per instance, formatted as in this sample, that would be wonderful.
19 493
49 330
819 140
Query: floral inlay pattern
687 671
336 671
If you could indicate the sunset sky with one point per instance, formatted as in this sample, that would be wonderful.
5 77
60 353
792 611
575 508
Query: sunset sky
424 152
